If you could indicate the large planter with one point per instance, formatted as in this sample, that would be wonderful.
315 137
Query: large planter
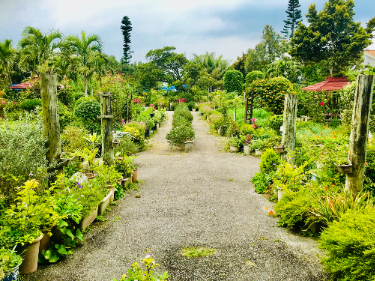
279 149
189 145
246 149
258 152
234 148
127 181
112 189
135 175
85 222
44 243
104 204
30 254
115 142
345 169
12 274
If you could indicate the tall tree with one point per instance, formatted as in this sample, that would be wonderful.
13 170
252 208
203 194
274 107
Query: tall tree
83 47
7 59
240 65
126 28
332 38
294 17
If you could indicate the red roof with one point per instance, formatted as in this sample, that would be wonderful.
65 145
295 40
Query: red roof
330 84
22 86
370 52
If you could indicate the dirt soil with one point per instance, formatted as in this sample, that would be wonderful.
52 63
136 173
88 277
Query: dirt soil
200 198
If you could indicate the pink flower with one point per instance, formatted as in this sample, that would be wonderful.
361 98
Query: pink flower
322 103
123 120
255 126
115 100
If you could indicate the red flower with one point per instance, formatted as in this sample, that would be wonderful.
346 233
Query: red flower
270 213
322 103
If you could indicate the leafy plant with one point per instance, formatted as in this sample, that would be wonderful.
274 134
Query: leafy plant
125 166
235 141
30 105
8 260
179 135
269 161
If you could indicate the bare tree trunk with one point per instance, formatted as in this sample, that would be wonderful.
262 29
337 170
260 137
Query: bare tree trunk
289 123
85 80
51 123
107 129
359 132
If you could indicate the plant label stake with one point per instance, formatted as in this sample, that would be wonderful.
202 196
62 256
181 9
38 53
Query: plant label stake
359 132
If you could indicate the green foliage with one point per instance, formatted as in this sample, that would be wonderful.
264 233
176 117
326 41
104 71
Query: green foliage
293 19
233 80
332 37
73 138
262 181
65 116
119 192
89 111
272 92
350 244
179 135
125 166
27 139
269 161
30 105
8 260
126 28
253 75
195 252
235 141
127 147
147 274
247 129
275 122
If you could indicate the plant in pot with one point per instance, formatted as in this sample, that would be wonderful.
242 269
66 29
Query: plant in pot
25 219
179 135
88 155
258 146
109 176
246 144
235 144
10 262
66 235
124 166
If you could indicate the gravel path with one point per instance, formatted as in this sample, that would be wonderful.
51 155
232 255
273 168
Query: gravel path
200 198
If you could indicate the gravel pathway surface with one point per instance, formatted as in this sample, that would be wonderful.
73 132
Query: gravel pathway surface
201 198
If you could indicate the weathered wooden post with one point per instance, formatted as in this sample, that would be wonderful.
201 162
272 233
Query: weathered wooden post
51 123
359 132
107 127
289 123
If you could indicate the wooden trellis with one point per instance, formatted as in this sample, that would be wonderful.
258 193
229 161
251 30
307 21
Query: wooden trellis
107 127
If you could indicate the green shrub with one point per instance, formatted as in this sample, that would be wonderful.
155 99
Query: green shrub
253 75
180 121
233 128
127 147
262 181
183 110
178 135
269 161
233 80
65 116
217 120
88 111
73 138
272 91
84 99
247 129
275 122
351 246
30 105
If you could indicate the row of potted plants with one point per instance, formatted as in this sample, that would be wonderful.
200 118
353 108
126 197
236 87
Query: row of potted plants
45 225
182 134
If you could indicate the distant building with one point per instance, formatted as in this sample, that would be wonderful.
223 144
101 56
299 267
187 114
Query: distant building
369 57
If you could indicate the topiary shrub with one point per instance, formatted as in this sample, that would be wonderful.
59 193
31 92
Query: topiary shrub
275 122
247 129
233 80
179 135
351 246
272 92
269 161
253 75
89 110
30 105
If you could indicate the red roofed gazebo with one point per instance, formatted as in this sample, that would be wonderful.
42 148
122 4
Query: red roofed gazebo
330 84
21 86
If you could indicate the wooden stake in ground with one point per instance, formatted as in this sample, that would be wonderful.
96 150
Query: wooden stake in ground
359 132
107 127
51 123
289 123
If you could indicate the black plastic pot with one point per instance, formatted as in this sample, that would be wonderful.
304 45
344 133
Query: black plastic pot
152 115
147 134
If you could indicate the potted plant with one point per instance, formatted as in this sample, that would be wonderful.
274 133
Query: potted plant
344 166
179 135
108 176
258 146
10 262
279 149
235 144
115 142
246 146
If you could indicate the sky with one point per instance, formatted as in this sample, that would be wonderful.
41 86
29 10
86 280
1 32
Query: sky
226 27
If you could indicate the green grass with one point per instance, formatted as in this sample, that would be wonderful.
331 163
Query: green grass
194 252
258 113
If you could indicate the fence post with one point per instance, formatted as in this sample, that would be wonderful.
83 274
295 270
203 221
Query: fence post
51 123
359 132
289 123
107 127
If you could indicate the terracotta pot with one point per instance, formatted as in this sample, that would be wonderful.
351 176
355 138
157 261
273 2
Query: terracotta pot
113 189
85 222
104 204
120 181
44 243
135 175
30 256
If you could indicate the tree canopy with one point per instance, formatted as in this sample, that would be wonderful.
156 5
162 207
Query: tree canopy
293 19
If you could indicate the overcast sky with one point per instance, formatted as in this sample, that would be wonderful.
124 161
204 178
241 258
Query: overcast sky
227 27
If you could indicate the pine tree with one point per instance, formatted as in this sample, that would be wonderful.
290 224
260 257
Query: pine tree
294 17
126 28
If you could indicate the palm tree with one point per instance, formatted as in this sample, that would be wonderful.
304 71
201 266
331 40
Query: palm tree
37 49
7 58
217 66
83 48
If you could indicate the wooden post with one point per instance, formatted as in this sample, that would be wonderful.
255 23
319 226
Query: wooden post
51 123
289 123
359 132
107 128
